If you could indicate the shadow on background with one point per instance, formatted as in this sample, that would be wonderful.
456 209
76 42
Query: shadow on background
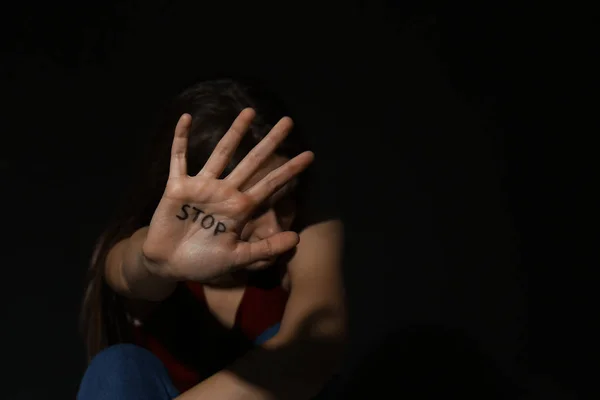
96 73
426 362
420 362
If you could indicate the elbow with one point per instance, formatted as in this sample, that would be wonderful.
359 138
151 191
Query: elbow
296 365
320 351
329 326
322 362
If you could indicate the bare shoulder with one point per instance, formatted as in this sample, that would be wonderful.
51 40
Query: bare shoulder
319 252
333 227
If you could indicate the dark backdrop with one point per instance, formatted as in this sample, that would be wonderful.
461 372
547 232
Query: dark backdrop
420 116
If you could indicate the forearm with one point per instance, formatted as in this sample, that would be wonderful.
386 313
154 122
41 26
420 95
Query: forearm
128 274
280 369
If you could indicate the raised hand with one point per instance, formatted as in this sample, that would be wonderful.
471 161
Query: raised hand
195 231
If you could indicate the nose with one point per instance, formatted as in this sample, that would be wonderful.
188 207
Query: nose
267 225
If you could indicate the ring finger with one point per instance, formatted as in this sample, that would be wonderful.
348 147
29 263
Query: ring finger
262 151
280 176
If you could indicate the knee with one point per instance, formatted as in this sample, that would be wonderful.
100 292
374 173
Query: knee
121 368
123 357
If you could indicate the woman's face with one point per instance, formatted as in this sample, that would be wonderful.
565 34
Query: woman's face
276 214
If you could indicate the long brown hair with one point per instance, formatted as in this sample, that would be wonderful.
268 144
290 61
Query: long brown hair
213 106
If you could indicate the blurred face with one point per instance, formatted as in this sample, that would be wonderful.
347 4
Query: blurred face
277 213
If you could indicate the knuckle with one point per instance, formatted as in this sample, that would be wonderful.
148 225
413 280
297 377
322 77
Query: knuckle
245 205
240 207
223 150
269 248
273 182
176 188
255 156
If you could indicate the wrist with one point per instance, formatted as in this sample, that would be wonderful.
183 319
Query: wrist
154 286
142 275
154 269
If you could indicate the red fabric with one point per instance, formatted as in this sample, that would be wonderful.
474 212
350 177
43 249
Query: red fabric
259 310
197 289
183 377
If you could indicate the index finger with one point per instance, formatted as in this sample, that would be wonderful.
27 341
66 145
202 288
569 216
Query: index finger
179 147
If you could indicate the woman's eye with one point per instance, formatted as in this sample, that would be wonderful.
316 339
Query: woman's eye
285 206
259 211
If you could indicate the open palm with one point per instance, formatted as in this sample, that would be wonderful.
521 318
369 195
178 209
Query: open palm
195 231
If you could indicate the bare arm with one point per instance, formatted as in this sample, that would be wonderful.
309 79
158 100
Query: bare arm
127 271
298 361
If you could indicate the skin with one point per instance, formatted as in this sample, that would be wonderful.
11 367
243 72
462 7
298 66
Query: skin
312 330
253 206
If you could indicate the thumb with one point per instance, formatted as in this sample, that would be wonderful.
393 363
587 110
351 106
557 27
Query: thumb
247 253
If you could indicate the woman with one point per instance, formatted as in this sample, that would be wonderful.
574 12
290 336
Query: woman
219 279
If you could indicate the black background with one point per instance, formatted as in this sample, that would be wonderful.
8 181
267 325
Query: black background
431 124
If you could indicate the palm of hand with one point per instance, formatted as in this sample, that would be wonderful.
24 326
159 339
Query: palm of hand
197 219
195 230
